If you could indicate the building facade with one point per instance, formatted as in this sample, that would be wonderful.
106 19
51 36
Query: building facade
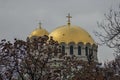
73 40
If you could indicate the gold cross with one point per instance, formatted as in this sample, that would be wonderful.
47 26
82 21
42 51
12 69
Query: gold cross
69 18
40 25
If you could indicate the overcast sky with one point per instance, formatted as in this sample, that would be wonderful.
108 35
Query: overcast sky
18 18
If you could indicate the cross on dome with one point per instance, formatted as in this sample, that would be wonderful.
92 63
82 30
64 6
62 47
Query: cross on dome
40 25
69 18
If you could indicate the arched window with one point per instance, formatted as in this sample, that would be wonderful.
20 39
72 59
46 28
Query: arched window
79 50
91 52
86 51
71 50
63 49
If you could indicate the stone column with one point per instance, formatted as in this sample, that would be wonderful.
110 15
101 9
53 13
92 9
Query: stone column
75 50
67 49
83 56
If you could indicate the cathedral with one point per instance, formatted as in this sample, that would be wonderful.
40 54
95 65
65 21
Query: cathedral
73 40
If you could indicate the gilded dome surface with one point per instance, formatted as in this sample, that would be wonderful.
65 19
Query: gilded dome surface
70 33
39 32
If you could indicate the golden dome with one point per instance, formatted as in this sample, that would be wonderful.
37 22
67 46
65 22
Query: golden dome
39 32
69 33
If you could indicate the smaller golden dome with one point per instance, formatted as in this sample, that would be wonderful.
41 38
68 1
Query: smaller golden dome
39 32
